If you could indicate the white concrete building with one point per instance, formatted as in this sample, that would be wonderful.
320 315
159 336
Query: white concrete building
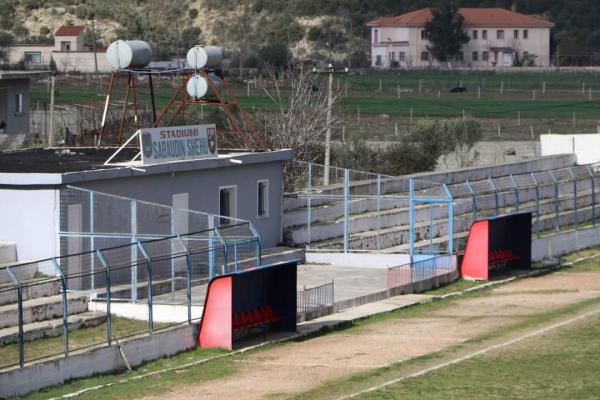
68 52
498 38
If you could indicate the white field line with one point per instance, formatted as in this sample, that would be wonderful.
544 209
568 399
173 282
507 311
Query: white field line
203 361
471 355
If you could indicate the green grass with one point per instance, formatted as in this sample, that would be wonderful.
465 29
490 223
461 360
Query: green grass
455 286
78 339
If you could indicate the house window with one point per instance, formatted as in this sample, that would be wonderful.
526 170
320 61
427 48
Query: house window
392 56
516 34
378 60
425 56
262 192
65 46
227 203
33 57
475 56
423 35
19 103
460 57
401 56
485 56
474 35
484 34
500 34
375 36
525 34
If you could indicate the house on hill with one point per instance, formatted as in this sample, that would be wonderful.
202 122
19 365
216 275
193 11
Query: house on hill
498 38
69 52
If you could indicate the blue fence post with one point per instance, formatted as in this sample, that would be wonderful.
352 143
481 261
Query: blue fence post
556 206
411 218
473 200
258 245
516 188
450 219
108 311
346 208
63 283
575 210
593 184
188 270
149 288
537 205
495 189
21 337
431 228
212 226
378 211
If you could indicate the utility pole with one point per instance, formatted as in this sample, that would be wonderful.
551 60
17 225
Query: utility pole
95 55
328 134
51 128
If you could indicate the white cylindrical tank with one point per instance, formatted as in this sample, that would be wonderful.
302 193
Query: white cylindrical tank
200 57
198 87
129 54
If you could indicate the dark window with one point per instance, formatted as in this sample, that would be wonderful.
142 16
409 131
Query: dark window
525 34
423 35
392 56
401 56
227 204
263 199
484 34
475 56
33 57
376 36
500 35
424 56
474 35
65 46
19 102
378 60
516 33
485 56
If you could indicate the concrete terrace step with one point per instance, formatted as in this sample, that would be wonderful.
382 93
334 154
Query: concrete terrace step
42 309
22 272
51 328
8 252
8 293
367 224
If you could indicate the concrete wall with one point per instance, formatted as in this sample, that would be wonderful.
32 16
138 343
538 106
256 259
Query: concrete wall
584 146
567 242
28 218
203 189
16 122
106 359
80 61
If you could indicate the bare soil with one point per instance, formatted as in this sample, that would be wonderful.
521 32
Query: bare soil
301 366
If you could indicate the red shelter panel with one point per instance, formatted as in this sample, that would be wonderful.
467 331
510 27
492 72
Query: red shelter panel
217 310
475 261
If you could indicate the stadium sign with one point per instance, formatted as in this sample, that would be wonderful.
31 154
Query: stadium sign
177 143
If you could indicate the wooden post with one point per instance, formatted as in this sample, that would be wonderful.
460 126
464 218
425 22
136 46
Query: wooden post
590 93
345 88
533 141
533 95
380 87
583 88
501 87
439 94
396 128
464 115
51 127
411 114
479 92
344 134
574 120
544 87
398 90
420 85
358 114
519 118
248 89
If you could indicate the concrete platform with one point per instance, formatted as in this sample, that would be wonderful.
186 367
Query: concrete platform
41 309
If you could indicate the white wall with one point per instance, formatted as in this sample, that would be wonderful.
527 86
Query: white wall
27 217
585 146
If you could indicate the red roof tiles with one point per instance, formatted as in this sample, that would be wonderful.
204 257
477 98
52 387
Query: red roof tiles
70 30
472 16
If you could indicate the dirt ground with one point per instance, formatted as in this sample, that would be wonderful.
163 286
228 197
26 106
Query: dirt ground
301 366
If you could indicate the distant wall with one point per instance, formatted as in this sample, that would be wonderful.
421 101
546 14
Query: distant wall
585 146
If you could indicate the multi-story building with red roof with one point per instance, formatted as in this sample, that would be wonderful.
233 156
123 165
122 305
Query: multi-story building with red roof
498 38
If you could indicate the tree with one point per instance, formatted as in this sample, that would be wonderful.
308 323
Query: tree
462 135
445 32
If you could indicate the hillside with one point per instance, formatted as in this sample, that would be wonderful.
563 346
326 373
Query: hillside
270 30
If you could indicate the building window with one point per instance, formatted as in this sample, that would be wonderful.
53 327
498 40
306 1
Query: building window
525 34
500 34
474 35
484 34
378 60
65 46
375 36
392 56
475 56
425 56
516 34
401 56
460 57
227 203
423 35
485 56
262 192
19 103
33 57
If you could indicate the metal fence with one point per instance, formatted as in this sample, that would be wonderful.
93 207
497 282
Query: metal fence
360 211
316 298
420 270
147 275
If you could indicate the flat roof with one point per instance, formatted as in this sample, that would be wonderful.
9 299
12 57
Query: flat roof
56 166
24 74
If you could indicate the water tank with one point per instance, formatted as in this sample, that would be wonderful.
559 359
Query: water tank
198 87
129 54
200 57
